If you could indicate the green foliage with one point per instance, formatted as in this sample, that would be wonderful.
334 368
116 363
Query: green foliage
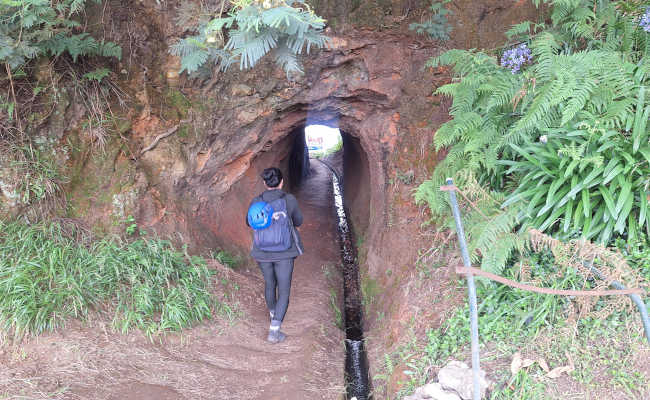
226 259
489 229
583 96
512 320
588 181
255 29
46 277
41 177
637 254
29 28
97 75
437 27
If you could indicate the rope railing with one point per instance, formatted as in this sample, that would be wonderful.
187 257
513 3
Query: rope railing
469 272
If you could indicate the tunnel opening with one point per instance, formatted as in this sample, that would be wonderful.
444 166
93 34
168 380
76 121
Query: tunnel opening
343 154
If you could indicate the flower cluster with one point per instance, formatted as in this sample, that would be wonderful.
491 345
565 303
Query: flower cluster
515 57
645 20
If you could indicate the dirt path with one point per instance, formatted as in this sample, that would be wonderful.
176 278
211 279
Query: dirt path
210 361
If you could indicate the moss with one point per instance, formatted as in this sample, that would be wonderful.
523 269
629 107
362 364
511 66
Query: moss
369 291
96 176
176 104
123 125
183 131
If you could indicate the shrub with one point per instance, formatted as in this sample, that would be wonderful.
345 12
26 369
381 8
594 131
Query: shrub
46 278
589 181
583 91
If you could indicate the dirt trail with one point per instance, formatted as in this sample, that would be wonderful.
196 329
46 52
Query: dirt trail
210 361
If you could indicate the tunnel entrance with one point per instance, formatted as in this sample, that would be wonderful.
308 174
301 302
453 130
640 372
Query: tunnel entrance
304 177
343 155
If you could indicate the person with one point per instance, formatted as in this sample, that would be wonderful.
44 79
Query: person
277 266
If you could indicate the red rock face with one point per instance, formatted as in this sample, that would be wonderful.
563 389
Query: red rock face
196 184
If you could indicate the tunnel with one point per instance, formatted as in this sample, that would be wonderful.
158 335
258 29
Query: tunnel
351 167
288 153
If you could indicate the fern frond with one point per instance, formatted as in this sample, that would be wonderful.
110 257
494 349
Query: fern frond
257 31
286 59
251 46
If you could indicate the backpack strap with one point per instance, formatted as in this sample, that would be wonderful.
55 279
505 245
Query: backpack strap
282 196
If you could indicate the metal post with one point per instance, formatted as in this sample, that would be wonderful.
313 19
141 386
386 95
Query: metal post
473 311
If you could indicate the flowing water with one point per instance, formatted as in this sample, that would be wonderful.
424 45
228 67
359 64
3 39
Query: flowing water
356 360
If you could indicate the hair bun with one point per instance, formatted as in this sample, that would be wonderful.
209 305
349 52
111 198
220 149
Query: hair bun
272 177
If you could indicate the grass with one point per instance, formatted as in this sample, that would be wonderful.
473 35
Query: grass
225 258
332 275
334 305
539 326
46 278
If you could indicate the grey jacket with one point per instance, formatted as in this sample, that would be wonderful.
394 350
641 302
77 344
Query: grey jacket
296 217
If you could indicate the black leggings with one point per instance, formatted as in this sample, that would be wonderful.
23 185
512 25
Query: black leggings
277 274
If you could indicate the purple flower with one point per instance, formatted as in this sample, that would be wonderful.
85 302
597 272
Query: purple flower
645 20
516 57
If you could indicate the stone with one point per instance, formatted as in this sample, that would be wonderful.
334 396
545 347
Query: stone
457 376
435 391
239 90
432 391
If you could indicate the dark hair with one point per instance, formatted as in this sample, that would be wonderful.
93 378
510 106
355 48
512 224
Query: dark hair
272 177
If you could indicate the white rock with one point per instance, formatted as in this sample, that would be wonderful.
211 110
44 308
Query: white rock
457 376
435 391
432 391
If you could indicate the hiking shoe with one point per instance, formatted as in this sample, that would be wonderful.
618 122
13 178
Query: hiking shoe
275 336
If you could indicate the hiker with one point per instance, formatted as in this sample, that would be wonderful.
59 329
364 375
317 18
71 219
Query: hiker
273 215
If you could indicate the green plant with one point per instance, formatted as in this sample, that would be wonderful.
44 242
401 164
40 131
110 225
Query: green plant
256 28
47 277
437 26
580 100
131 226
512 320
29 28
41 178
637 253
97 75
226 258
521 386
589 181
336 309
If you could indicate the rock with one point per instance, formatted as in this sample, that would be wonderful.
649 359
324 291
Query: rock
432 391
248 116
436 392
239 90
457 376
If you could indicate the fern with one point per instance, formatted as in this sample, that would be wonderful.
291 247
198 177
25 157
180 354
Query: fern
437 26
583 94
29 28
97 75
255 30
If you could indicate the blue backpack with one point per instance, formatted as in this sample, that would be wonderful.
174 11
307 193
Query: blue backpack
277 235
